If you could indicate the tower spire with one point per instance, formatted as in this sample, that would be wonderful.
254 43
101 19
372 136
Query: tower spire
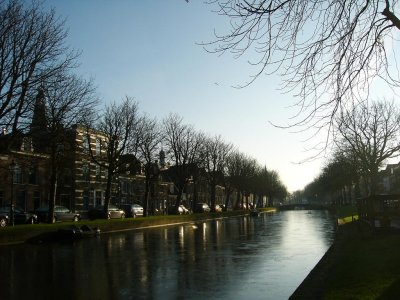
38 127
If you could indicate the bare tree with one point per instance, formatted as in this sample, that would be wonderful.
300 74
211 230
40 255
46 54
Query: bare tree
119 125
183 144
150 137
247 177
342 176
231 171
274 187
371 133
68 100
32 52
262 184
240 170
214 154
327 52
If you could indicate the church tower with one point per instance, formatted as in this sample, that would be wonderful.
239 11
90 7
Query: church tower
38 127
162 158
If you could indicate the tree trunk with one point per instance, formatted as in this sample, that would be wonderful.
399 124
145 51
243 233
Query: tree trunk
107 196
53 186
238 201
212 194
178 201
146 196
179 187
52 197
227 197
195 196
374 181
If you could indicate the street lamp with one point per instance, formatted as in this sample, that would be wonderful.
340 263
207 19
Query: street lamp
12 170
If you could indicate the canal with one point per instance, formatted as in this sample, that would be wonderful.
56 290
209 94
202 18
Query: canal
264 257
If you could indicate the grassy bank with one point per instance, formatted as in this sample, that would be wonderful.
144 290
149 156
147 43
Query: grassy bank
361 264
21 233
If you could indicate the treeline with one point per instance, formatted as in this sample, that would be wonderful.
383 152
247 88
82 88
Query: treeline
191 153
365 135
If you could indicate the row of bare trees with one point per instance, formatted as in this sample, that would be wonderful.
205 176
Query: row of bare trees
192 155
367 135
246 175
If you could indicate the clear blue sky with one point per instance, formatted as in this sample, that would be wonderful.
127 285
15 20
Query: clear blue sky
148 50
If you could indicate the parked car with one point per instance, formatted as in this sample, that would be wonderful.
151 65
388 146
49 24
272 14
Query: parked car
3 219
61 213
223 207
182 210
242 206
20 216
113 213
218 208
132 210
202 207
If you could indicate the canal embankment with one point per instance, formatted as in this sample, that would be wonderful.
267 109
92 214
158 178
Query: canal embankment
22 233
362 263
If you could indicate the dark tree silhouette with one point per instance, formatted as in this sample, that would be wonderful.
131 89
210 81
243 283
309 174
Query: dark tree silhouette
338 181
67 101
183 148
214 153
119 126
32 53
38 128
149 139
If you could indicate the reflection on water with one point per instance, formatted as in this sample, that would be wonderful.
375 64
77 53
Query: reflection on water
255 258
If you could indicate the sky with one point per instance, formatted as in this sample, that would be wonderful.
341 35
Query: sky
149 50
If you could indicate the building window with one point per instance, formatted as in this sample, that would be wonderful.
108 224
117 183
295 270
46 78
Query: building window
36 199
26 144
98 172
86 172
86 199
125 187
67 176
17 174
33 175
85 143
98 146
98 198
20 199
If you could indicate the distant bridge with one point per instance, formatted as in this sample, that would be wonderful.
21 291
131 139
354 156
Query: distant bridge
303 206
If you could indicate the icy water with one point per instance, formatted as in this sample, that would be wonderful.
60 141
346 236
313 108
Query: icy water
264 257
